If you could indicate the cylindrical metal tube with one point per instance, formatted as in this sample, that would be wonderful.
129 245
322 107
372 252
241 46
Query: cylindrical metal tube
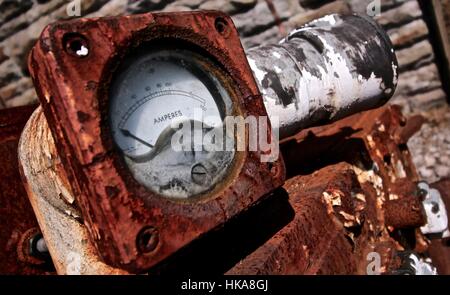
331 68
405 213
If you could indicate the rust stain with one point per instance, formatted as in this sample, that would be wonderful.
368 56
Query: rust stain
347 180
339 183
76 113
16 215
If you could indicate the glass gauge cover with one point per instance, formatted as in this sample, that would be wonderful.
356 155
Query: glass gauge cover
157 94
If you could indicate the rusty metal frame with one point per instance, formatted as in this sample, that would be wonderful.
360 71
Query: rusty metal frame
349 199
73 93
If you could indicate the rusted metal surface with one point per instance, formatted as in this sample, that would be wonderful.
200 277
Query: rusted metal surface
368 140
331 68
332 231
345 194
333 219
352 187
18 223
73 91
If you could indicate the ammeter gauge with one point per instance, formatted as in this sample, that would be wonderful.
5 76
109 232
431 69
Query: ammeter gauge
115 93
155 91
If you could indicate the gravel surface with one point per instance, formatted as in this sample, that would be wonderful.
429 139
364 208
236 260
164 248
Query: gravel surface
430 147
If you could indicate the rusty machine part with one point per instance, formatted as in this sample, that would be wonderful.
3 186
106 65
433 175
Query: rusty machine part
347 181
335 207
344 199
72 66
335 210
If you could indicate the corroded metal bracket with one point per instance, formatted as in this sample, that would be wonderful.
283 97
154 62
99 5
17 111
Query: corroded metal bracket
354 192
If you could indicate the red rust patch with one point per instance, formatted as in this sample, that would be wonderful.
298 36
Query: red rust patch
16 215
112 202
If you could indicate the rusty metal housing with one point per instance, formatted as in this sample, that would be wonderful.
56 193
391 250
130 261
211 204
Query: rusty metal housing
73 93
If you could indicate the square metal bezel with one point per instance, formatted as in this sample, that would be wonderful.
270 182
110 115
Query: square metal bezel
73 94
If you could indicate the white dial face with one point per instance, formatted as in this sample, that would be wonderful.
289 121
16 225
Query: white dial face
156 89
151 91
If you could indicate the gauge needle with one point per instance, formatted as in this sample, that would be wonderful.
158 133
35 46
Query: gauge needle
129 134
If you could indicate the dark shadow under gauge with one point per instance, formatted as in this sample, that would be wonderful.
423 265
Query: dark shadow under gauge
166 104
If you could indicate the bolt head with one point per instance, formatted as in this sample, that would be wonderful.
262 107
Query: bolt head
147 239
38 248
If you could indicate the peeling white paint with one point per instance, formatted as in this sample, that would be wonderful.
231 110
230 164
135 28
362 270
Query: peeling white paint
331 84
399 169
360 197
259 75
393 197
327 18
370 176
333 198
313 92
294 32
394 70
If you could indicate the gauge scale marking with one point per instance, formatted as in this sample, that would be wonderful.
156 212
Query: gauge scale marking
165 116
153 92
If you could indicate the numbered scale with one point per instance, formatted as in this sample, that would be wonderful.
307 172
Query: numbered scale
155 92
116 92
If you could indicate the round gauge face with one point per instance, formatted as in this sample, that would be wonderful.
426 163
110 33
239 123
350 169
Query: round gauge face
163 105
